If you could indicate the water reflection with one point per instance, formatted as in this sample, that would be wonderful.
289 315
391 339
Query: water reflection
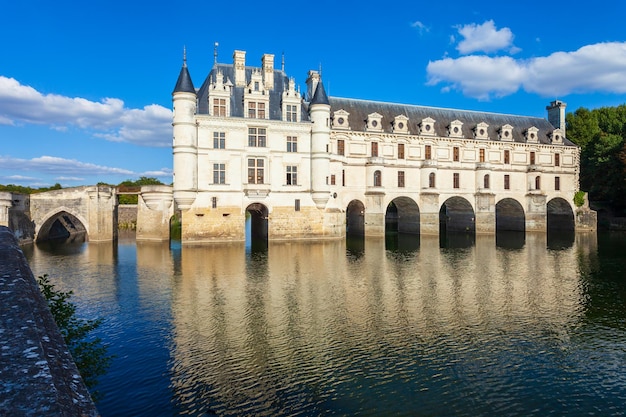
365 326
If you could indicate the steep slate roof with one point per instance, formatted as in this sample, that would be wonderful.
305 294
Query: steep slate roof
184 84
319 97
360 109
281 83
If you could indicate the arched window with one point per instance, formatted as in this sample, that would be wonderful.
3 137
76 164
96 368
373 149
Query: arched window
537 182
486 181
377 179
431 180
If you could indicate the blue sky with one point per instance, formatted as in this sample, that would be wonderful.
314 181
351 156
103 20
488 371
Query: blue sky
85 87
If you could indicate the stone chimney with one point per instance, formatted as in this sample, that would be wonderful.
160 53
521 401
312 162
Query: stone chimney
311 83
268 71
556 114
239 62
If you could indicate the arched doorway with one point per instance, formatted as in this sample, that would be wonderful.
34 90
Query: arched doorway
62 225
355 218
256 226
457 225
510 224
560 224
402 223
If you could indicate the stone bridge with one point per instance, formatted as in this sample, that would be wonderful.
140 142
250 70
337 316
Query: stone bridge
89 211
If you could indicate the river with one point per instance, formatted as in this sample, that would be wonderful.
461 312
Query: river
514 326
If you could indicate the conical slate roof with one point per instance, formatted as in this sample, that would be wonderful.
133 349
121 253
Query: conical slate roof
184 84
319 97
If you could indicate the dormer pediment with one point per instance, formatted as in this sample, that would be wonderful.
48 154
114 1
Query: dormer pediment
481 131
256 85
375 122
455 130
556 137
531 134
506 133
427 126
401 124
341 120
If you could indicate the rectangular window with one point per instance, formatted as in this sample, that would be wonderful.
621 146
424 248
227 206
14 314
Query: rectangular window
507 182
532 158
431 180
257 137
343 177
507 157
292 175
255 171
427 152
400 178
219 173
219 107
455 153
292 144
456 181
557 160
332 180
297 205
557 183
481 155
374 148
256 110
213 202
219 140
400 150
291 113
340 147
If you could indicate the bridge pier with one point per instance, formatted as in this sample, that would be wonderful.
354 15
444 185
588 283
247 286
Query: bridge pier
102 213
154 211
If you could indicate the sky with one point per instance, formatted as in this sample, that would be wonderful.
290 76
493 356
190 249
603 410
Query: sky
86 87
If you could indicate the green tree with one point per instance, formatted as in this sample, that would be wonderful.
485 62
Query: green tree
601 135
132 199
89 354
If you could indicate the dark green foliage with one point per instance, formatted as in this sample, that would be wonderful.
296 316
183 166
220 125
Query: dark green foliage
601 135
130 198
89 354
20 189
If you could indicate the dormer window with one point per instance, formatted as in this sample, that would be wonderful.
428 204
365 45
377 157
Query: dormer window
455 130
291 103
480 131
401 124
374 122
219 96
532 134
556 137
427 127
340 119
506 133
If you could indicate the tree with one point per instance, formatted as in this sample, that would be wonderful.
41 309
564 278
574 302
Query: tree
601 135
89 354
132 199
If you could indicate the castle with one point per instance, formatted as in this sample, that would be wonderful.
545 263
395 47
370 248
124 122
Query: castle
310 166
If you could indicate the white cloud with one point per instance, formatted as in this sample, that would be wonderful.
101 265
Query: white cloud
420 27
593 68
484 38
108 119
59 166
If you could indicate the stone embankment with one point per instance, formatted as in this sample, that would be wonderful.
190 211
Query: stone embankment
38 376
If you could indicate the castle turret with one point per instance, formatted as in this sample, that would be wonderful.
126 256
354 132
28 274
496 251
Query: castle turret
319 112
185 139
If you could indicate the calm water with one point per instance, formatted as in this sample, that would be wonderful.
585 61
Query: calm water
532 327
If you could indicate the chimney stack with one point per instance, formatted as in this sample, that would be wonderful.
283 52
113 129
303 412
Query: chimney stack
239 62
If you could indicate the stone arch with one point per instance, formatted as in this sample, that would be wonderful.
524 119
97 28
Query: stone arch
457 215
61 223
510 216
560 215
257 229
355 218
402 216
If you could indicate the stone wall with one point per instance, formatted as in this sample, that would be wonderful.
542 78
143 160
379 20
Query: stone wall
37 374
127 216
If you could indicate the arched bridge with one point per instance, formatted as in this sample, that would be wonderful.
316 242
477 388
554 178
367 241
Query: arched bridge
89 210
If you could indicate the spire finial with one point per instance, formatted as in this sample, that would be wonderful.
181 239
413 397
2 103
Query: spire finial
215 45
184 56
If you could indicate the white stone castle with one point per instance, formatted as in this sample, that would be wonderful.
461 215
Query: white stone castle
310 166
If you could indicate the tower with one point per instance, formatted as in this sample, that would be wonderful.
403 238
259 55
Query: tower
319 112
185 139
